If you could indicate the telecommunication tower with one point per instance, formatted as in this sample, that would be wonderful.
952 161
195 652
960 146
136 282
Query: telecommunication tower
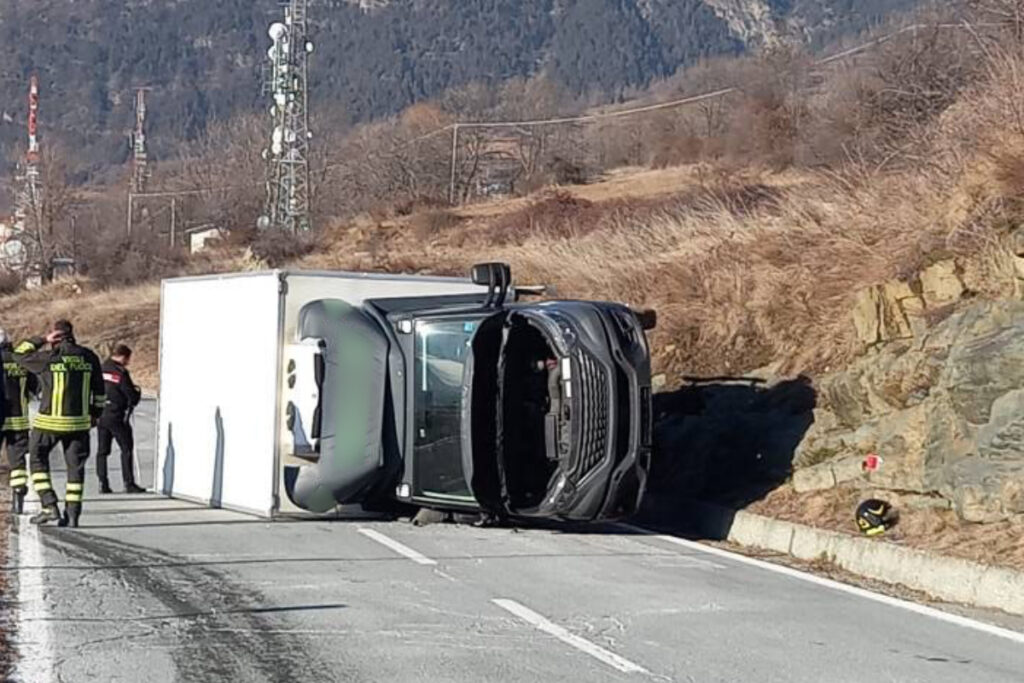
140 155
288 155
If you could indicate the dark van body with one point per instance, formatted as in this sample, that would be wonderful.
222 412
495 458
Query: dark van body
518 410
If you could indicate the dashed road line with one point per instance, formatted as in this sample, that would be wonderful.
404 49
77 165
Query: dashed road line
399 548
35 640
545 625
948 617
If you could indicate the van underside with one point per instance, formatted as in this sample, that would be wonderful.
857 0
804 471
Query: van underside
534 414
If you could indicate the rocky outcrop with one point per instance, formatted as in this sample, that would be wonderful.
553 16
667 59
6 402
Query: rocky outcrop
752 21
898 309
943 407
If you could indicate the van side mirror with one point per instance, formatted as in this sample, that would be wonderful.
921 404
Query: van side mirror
497 277
648 319
486 274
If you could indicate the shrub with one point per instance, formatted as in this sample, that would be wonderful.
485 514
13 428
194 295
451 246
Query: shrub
10 283
427 225
277 248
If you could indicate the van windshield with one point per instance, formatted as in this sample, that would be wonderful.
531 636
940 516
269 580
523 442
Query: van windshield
442 349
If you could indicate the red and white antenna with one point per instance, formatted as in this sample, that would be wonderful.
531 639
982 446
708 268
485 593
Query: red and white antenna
19 253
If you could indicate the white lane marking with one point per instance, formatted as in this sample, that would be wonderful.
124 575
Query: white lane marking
947 617
582 644
35 641
399 548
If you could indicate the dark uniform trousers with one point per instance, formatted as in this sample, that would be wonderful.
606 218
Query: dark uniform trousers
107 431
17 448
76 452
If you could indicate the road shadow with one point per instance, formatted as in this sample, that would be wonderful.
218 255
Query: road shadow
217 492
721 444
167 478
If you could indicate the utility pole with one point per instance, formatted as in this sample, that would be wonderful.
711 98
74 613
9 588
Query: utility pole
455 155
288 186
174 220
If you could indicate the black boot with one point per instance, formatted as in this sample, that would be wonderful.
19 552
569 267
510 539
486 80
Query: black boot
133 488
17 501
71 514
105 486
46 515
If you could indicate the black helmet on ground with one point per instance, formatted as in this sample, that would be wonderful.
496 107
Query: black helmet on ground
875 517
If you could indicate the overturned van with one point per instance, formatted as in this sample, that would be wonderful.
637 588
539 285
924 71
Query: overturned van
455 395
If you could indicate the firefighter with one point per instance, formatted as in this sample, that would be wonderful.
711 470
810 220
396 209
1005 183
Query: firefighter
72 399
18 386
115 422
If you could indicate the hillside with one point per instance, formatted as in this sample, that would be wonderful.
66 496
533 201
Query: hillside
373 58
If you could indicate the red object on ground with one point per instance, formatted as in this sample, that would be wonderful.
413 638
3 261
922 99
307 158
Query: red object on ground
872 463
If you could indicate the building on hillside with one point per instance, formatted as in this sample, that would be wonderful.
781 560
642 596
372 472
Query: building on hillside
63 269
200 238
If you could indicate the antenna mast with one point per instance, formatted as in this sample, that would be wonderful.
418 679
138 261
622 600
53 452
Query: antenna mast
140 156
288 156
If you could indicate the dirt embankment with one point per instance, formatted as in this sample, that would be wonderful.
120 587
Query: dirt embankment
102 319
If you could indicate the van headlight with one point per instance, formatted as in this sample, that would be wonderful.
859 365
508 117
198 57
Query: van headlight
566 339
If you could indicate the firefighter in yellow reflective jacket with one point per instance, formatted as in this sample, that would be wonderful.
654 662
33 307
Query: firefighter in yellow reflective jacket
71 400
19 386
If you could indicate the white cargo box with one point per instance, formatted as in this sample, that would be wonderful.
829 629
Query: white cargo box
225 343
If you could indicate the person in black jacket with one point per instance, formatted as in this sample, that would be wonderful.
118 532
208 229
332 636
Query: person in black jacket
72 399
18 386
115 422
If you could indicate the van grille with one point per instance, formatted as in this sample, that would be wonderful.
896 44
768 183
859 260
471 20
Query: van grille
593 383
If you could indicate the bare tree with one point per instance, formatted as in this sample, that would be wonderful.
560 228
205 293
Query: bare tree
49 213
1009 12
226 162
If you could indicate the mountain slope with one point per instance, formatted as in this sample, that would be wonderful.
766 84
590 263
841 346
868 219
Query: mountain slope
373 57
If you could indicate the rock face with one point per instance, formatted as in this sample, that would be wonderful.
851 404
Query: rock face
897 310
943 408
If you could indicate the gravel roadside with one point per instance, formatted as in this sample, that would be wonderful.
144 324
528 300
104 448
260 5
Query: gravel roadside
8 596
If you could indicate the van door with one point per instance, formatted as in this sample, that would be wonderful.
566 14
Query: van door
441 349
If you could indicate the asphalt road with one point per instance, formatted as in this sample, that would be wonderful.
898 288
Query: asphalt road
151 589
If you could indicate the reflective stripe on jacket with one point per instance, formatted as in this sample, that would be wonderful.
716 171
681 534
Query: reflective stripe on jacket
71 379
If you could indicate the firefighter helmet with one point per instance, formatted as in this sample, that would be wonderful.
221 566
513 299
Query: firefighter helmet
874 517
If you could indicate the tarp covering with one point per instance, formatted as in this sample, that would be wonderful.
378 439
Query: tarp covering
355 355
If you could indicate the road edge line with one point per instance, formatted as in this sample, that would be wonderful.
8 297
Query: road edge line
400 548
545 625
941 615
34 642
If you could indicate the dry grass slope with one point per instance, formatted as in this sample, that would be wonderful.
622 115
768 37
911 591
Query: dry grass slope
754 269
